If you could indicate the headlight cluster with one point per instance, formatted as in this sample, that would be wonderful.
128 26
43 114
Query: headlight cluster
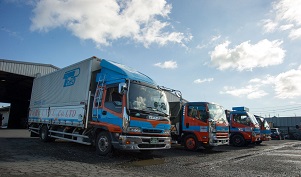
166 131
134 129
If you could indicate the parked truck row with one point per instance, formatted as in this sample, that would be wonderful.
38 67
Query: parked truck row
112 106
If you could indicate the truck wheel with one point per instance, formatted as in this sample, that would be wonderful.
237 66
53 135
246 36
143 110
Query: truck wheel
258 142
238 140
103 144
44 134
191 142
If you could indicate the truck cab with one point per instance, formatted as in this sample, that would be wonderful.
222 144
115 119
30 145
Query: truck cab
200 124
265 130
244 128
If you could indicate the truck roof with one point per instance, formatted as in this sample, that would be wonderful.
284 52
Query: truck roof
241 108
116 71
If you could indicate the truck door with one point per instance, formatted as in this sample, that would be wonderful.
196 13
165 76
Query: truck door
196 120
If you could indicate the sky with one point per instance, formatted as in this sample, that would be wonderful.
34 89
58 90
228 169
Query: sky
234 52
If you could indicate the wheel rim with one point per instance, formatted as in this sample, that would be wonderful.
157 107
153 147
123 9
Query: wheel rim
237 140
43 133
190 143
103 143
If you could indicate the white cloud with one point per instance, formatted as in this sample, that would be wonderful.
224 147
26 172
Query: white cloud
269 26
167 64
295 34
246 56
286 27
215 38
200 81
285 85
210 43
201 46
286 15
288 84
250 91
104 21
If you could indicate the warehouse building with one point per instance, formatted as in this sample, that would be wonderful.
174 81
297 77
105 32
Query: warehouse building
287 125
16 79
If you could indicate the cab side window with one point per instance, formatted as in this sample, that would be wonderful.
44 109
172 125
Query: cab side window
98 97
198 112
113 99
242 119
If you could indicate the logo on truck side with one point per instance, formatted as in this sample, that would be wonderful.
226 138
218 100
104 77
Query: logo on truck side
70 77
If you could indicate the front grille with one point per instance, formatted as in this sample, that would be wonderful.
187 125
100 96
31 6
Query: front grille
221 135
151 131
151 145
149 141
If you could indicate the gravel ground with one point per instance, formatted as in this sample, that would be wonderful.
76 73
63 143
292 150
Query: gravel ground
23 156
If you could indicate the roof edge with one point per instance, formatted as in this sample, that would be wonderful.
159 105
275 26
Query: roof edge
28 63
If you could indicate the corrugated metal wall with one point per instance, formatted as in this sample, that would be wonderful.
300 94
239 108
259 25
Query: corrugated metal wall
284 121
26 68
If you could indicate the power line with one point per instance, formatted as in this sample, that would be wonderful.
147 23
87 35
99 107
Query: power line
274 107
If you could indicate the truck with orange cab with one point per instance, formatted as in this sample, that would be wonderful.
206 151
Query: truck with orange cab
199 124
265 130
244 128
102 103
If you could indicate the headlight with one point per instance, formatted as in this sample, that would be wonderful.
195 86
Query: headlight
166 131
134 129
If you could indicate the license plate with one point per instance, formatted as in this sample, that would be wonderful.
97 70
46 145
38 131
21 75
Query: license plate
154 141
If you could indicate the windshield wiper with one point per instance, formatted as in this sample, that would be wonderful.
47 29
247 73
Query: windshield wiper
154 110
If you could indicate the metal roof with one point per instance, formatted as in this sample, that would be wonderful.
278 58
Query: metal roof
284 121
26 68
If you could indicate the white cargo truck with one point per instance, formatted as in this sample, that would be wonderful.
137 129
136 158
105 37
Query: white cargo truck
102 103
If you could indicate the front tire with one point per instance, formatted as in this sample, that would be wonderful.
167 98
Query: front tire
103 144
258 142
238 140
191 142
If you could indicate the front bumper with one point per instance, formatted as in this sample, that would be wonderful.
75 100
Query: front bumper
219 142
142 143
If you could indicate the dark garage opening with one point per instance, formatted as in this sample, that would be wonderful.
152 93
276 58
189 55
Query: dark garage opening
16 90
16 79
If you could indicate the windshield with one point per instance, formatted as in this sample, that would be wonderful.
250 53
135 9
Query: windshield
259 121
144 98
217 113
266 124
253 119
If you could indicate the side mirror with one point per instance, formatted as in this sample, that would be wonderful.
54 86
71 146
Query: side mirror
122 88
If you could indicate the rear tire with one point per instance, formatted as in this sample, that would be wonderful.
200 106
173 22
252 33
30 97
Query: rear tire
191 142
103 144
238 140
44 134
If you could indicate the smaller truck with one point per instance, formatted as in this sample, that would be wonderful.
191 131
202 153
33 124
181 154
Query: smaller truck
265 130
244 128
196 124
